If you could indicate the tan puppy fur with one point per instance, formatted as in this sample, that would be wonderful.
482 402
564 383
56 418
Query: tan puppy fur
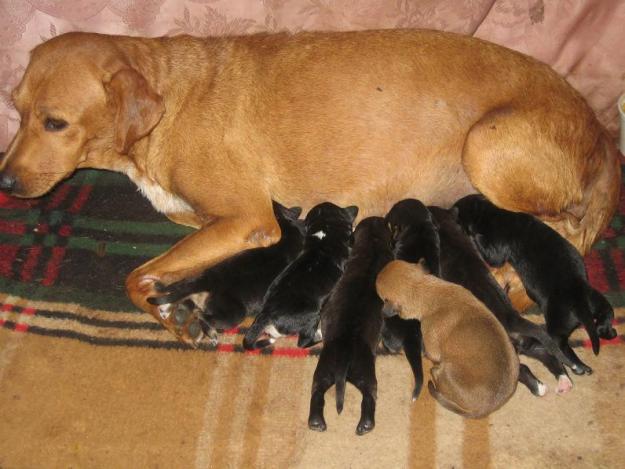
213 129
476 368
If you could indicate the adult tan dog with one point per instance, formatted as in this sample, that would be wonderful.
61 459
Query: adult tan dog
211 130
476 368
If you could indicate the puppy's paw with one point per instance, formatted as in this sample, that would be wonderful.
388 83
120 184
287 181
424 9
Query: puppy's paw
564 385
365 426
581 369
317 423
541 389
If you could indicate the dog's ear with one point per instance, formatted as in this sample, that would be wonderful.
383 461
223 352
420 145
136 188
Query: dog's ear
352 211
138 108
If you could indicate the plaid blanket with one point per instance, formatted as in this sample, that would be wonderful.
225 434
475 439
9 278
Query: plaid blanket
64 258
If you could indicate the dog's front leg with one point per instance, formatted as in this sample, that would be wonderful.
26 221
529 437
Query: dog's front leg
201 249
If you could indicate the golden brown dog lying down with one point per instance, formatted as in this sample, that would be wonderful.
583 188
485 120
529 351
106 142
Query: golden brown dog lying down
211 130
476 368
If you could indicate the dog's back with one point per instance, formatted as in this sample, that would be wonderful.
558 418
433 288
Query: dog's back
475 365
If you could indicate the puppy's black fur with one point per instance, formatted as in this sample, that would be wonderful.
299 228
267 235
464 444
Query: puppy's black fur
414 237
461 264
351 321
236 286
294 298
550 268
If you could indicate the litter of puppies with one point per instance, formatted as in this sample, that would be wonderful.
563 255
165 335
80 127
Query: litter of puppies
416 280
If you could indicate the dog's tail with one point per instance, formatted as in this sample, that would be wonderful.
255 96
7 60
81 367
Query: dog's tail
250 341
343 359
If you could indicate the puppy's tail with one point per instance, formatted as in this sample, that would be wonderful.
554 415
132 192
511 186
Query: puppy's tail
250 341
585 316
343 359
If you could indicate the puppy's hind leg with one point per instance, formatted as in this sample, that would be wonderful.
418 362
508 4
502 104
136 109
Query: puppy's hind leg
532 348
323 379
362 375
526 377
603 314
413 342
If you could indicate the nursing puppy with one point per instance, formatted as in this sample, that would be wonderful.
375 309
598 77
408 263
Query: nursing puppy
461 264
294 298
414 237
550 268
225 293
351 321
476 368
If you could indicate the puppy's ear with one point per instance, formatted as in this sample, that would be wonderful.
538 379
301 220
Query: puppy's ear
138 108
352 211
295 211
454 212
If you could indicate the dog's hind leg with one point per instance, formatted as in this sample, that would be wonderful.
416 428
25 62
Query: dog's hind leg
526 377
323 379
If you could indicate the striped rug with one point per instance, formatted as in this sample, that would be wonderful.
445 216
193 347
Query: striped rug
88 381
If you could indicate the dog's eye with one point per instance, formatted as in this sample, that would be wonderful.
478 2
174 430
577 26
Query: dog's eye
54 125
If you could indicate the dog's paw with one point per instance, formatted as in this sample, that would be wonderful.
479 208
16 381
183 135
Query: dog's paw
541 389
564 385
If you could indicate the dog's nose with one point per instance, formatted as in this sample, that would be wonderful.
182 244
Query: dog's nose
7 182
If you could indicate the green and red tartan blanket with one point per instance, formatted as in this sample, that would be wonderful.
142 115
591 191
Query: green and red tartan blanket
64 258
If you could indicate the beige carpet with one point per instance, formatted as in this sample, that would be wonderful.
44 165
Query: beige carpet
66 403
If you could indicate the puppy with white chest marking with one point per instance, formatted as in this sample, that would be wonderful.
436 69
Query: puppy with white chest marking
414 238
476 368
550 267
225 293
294 298
351 321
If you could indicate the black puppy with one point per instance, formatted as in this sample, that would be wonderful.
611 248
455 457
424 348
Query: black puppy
294 298
550 268
351 321
414 237
461 264
235 287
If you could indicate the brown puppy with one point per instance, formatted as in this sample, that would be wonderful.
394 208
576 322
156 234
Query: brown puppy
213 129
475 365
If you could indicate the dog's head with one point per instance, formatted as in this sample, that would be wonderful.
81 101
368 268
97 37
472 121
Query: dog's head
82 105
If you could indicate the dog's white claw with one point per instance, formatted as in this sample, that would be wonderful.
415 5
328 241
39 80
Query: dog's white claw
164 311
542 389
564 385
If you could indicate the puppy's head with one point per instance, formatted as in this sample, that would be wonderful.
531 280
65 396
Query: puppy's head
81 104
330 221
405 215
396 282
471 212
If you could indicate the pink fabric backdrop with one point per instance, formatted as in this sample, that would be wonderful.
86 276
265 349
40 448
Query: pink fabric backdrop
582 39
